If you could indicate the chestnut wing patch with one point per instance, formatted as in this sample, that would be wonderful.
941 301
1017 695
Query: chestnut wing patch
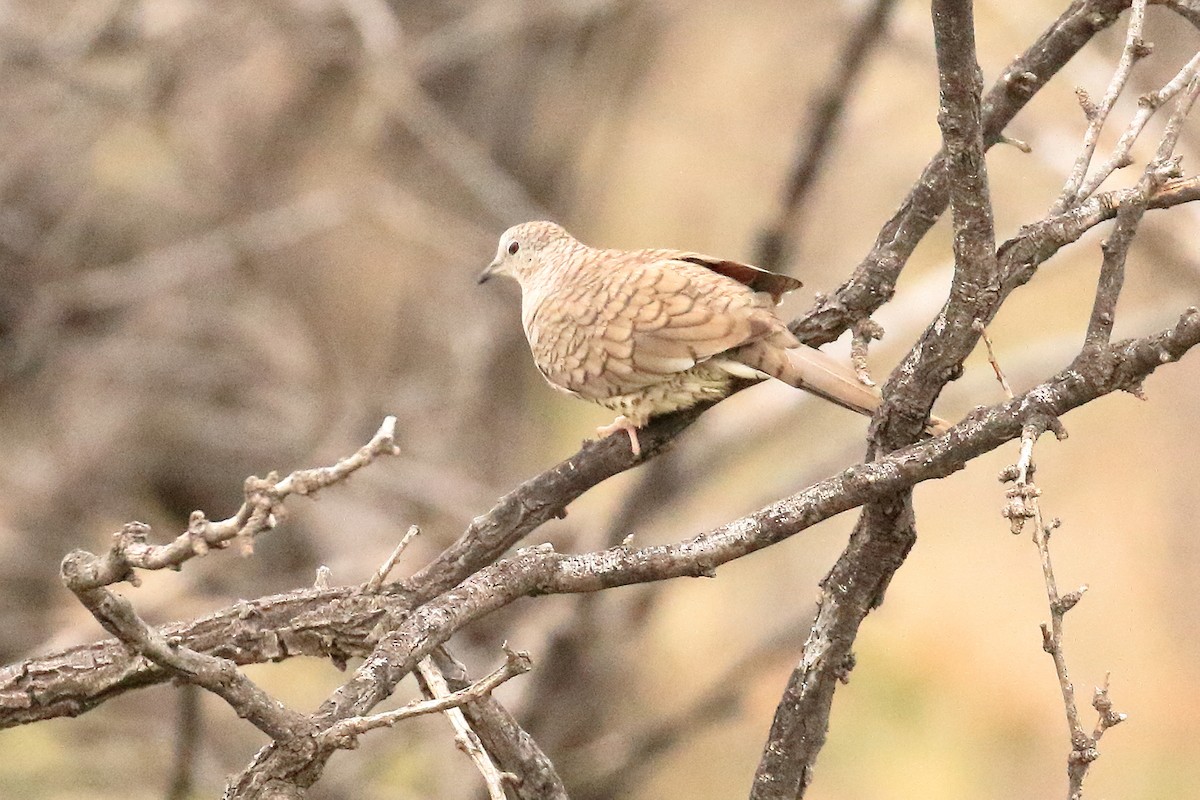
759 280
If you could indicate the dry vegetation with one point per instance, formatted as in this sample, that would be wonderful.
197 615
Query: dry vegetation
235 236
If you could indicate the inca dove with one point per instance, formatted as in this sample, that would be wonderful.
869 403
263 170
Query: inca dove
646 332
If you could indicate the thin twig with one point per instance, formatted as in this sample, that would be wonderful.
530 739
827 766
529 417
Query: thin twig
987 342
88 575
1133 49
1129 216
259 512
1148 104
466 738
389 564
1174 126
865 330
1021 255
513 749
1024 505
343 733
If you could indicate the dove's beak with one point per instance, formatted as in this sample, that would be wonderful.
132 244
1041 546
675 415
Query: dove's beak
489 271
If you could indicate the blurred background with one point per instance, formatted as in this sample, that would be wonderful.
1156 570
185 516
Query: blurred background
234 235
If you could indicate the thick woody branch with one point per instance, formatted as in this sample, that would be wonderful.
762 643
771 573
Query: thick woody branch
546 497
88 576
218 675
335 623
537 571
874 280
340 622
886 530
974 291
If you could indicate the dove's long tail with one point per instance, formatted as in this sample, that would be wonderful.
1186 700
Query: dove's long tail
821 374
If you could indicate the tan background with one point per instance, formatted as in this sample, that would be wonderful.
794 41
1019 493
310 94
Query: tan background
234 235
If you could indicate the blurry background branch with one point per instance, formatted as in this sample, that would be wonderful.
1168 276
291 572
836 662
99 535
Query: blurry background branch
774 244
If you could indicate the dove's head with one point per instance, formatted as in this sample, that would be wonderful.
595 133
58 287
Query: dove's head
528 248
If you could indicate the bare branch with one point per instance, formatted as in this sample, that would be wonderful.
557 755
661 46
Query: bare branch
1024 504
1183 107
342 622
885 531
514 750
865 330
1097 115
987 342
1021 255
974 291
388 565
218 675
1147 105
874 280
1129 216
344 732
396 625
467 740
264 496
539 570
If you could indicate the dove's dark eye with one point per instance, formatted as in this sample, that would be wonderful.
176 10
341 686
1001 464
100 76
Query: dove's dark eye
513 247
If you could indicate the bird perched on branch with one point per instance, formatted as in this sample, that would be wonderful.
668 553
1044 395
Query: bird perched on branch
647 332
